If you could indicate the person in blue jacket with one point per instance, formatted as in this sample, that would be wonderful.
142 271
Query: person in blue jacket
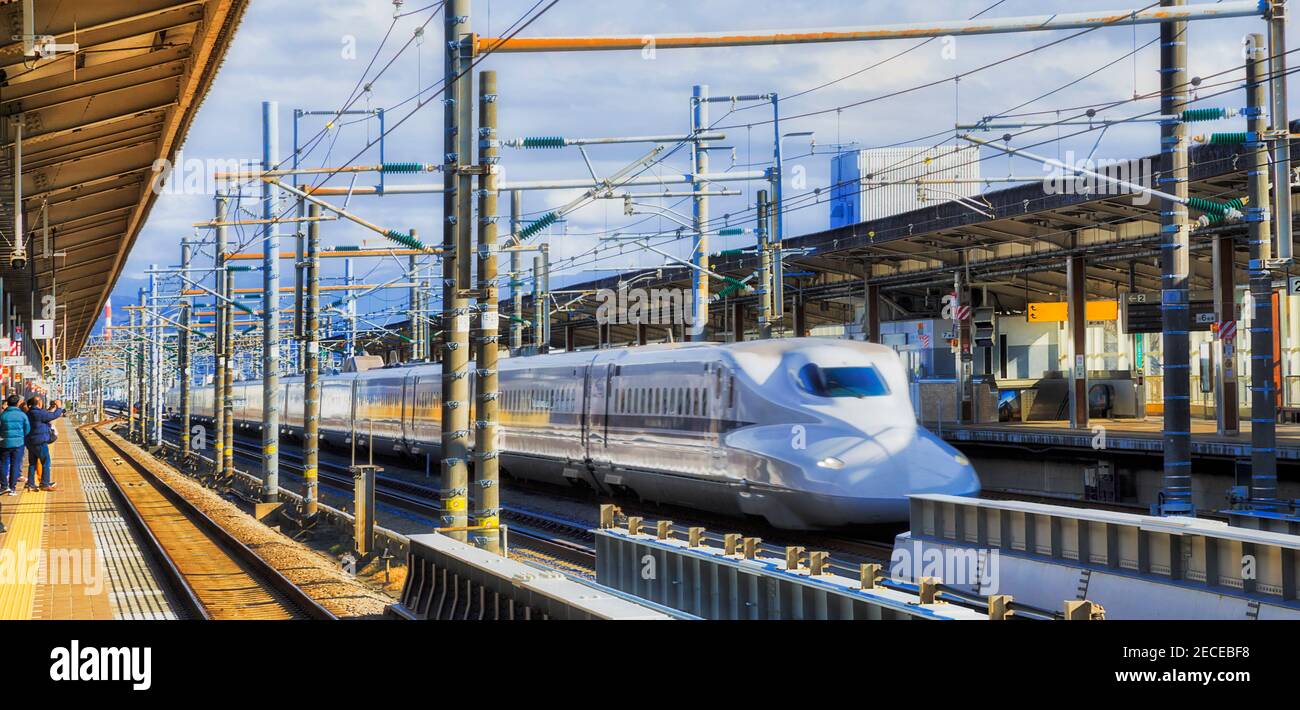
38 441
14 427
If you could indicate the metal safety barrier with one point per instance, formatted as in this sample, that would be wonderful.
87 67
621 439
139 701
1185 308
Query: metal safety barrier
741 581
447 579
1135 566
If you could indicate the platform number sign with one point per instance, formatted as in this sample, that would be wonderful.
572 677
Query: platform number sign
1293 286
42 329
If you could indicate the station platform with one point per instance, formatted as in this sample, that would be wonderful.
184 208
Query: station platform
70 553
1122 435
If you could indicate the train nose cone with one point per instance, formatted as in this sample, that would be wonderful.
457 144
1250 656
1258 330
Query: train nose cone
932 466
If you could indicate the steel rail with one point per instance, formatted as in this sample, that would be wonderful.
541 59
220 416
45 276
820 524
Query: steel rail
294 595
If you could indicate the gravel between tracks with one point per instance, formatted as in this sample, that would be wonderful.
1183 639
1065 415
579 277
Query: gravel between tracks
314 572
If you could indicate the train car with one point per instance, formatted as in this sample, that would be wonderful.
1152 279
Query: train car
805 433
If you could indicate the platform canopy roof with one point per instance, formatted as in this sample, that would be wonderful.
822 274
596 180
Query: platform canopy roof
93 122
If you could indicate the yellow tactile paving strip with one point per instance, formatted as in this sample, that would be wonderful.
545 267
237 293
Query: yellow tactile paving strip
72 570
69 554
24 516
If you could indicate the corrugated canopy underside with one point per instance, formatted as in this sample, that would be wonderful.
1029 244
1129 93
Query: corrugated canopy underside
93 123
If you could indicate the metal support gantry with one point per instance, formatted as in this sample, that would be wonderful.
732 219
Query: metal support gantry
183 359
485 505
270 309
457 220
220 347
311 376
1263 413
700 215
1175 265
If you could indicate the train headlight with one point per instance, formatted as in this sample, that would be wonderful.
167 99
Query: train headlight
961 460
831 462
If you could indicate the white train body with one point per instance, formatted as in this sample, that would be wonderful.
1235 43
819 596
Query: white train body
805 433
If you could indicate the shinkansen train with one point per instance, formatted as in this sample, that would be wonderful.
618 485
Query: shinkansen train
806 433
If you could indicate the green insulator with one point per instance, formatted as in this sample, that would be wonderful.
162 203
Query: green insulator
727 291
1216 210
1209 207
1234 138
544 142
1204 114
350 247
244 308
731 232
405 240
402 167
232 267
547 220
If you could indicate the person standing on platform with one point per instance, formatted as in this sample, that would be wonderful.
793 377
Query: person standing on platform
14 427
38 441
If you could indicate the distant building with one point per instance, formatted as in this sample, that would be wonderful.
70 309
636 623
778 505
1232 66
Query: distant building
881 182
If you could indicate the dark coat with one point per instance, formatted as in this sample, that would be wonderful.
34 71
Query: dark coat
40 420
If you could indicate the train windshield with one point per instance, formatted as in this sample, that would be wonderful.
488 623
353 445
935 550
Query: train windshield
842 381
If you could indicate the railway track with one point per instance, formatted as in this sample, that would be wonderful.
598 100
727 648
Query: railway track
573 541
563 538
567 540
214 575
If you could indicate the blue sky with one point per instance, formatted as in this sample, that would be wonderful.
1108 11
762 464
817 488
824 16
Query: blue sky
311 55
